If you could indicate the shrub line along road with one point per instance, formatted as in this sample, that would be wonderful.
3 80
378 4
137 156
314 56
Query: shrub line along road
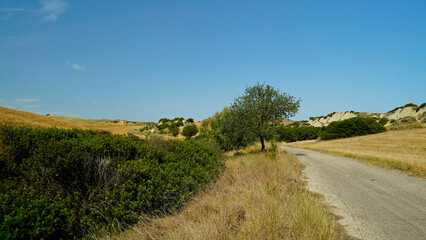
375 203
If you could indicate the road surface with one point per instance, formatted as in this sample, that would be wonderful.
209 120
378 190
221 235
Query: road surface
375 203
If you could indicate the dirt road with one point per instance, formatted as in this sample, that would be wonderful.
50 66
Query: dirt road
375 203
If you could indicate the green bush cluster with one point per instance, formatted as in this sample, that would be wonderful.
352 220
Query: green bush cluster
59 183
293 134
356 126
171 124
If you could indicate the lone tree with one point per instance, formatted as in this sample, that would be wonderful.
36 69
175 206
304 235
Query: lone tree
190 130
264 107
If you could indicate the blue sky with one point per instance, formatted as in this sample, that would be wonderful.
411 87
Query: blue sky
144 60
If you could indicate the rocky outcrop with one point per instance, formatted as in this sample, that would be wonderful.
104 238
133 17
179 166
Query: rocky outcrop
407 114
324 121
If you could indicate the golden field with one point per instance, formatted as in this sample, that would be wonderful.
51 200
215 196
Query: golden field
259 196
404 149
21 118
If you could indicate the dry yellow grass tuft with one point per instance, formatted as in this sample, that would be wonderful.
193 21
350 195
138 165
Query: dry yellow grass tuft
20 118
404 149
255 198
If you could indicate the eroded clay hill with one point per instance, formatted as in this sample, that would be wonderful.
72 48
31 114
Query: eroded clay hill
410 113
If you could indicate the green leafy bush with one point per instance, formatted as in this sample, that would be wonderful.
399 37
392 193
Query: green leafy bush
57 183
383 120
190 131
174 131
356 126
293 134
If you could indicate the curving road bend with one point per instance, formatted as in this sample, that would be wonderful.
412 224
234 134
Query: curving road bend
374 203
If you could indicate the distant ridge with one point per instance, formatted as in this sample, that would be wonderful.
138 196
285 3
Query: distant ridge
409 113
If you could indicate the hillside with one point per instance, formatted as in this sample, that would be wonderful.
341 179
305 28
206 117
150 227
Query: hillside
21 118
73 120
409 113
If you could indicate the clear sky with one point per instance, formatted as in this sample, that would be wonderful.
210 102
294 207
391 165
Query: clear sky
143 60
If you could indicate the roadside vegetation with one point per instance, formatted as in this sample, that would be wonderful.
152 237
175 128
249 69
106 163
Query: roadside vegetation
403 149
252 117
66 184
259 196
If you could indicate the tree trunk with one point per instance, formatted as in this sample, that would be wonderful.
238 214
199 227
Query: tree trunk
262 141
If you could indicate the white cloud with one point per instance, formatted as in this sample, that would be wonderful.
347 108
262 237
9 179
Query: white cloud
51 9
95 103
6 13
78 67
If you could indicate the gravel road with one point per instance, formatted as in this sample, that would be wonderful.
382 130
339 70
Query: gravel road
375 203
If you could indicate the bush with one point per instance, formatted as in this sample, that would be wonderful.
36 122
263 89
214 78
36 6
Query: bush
293 134
420 107
383 120
57 183
356 126
190 120
190 131
174 131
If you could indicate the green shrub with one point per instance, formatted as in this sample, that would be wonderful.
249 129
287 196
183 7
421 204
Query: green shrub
190 131
293 134
174 131
57 183
356 126
331 114
163 126
406 105
383 120
410 105
420 107
190 120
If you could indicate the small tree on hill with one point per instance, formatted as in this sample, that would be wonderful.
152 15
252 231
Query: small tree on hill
263 107
174 131
189 131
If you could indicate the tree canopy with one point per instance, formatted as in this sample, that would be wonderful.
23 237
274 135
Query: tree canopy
261 108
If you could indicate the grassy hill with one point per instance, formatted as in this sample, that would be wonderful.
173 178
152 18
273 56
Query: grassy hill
21 118
74 120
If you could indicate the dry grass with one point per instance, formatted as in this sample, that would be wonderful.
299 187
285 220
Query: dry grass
404 149
255 198
20 118
115 128
74 120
